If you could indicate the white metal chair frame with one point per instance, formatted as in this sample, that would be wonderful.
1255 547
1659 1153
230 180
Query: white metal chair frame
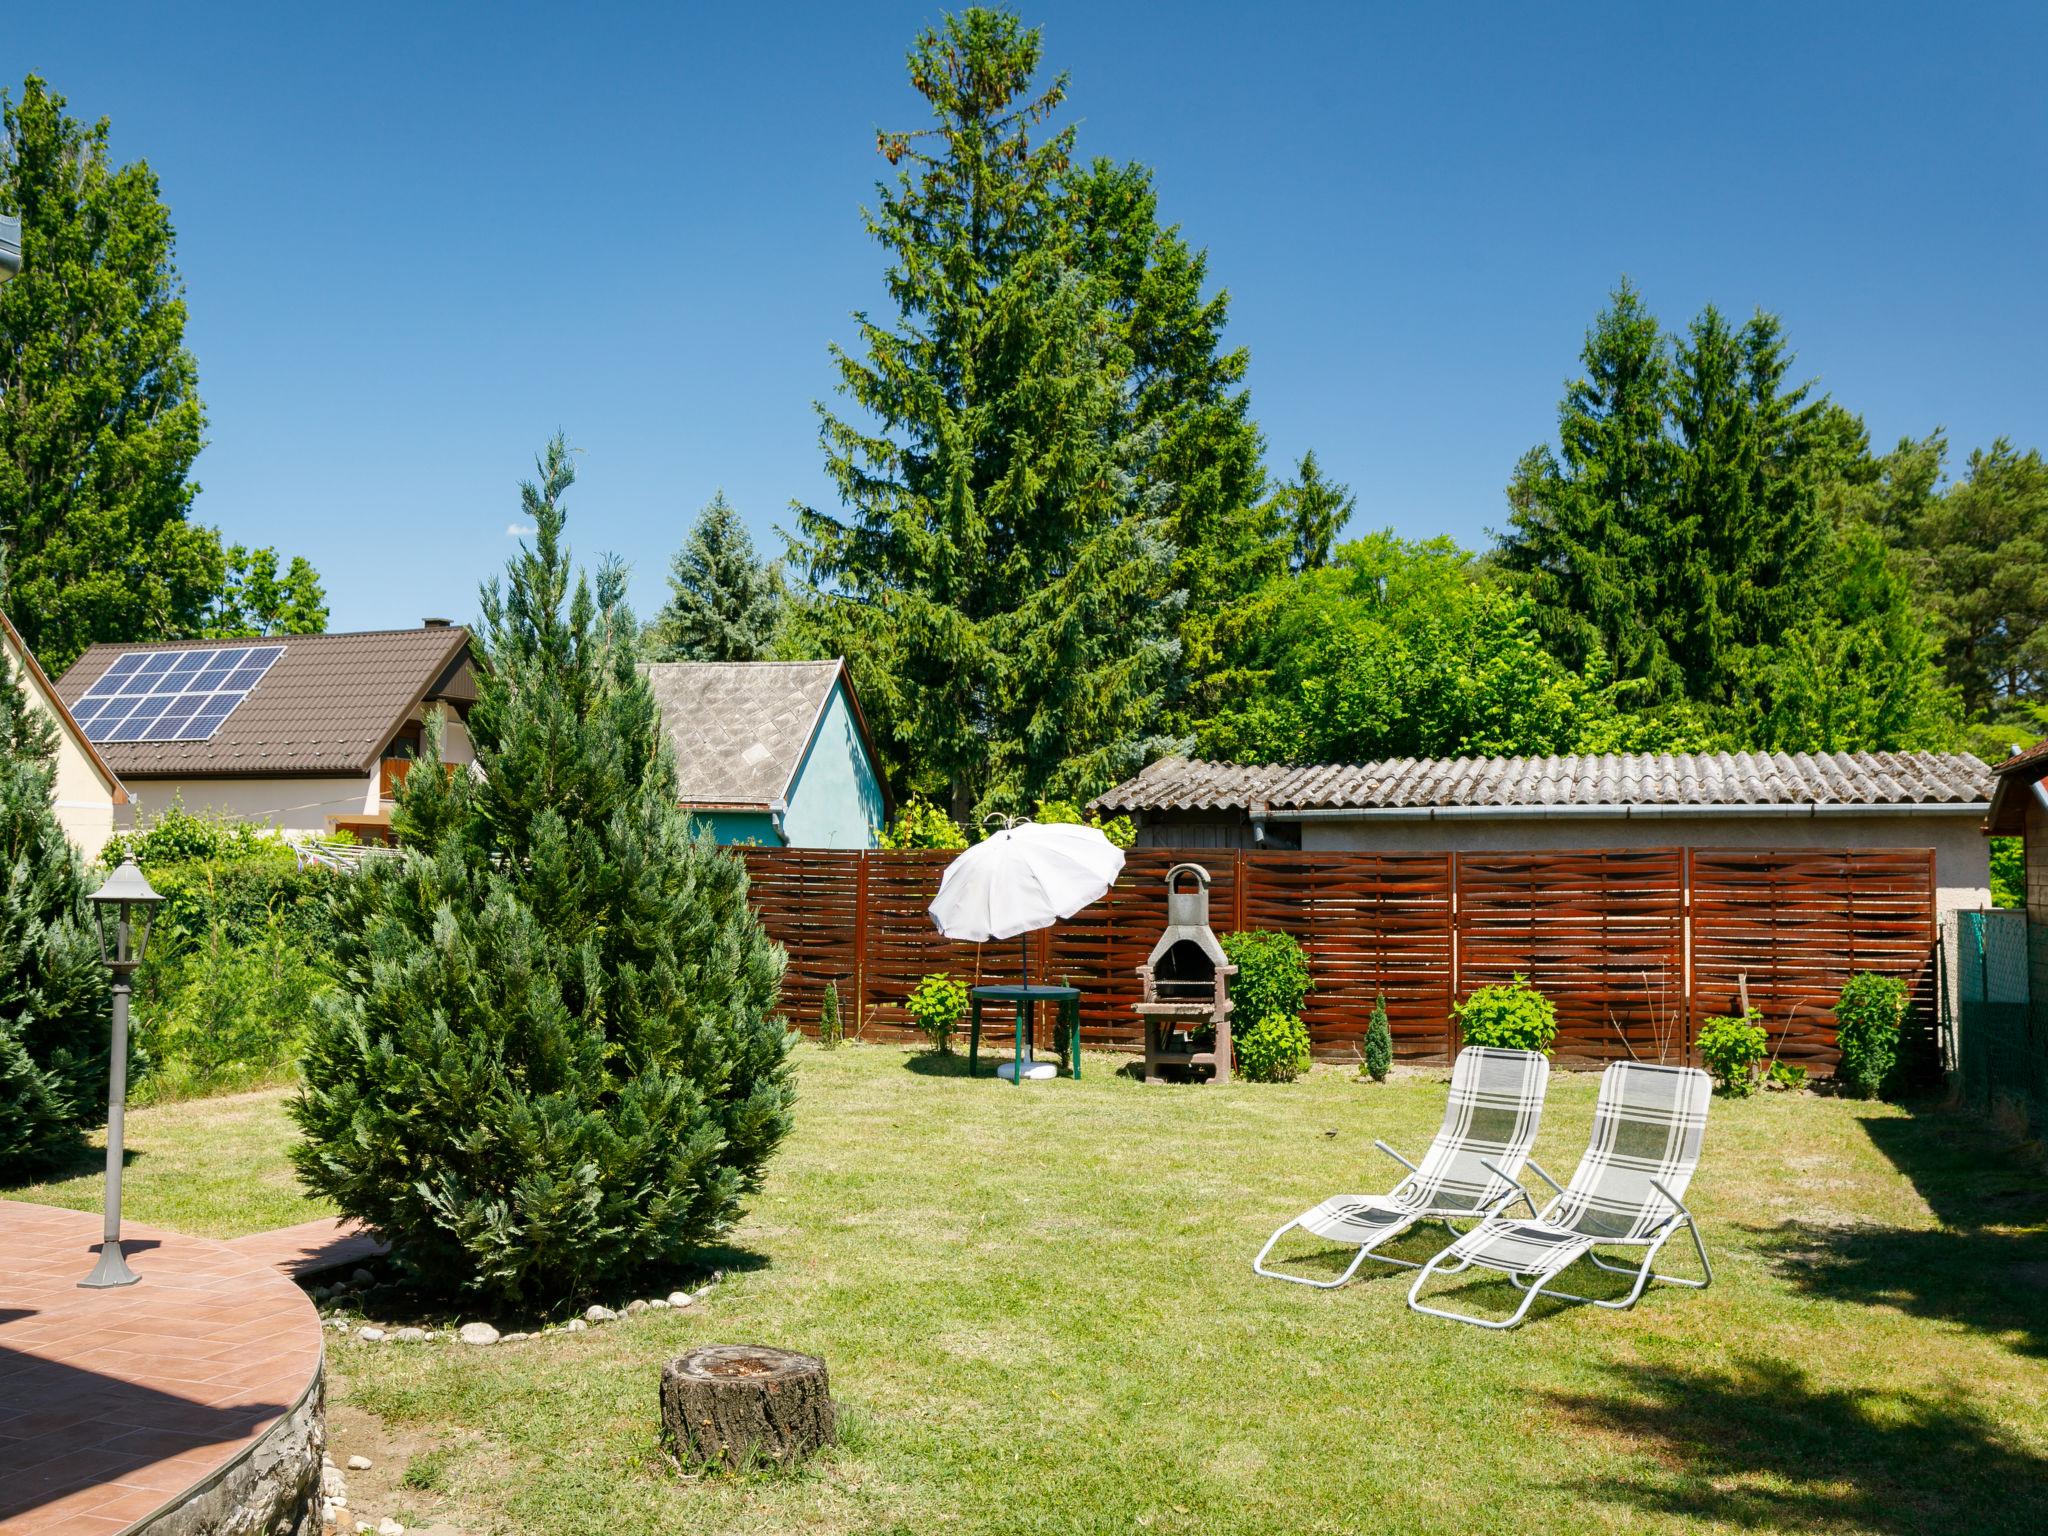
1444 1214
1536 1281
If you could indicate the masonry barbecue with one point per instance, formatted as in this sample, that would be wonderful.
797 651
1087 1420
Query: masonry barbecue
1187 986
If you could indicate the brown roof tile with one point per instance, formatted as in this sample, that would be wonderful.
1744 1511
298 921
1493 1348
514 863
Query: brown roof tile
1673 778
328 705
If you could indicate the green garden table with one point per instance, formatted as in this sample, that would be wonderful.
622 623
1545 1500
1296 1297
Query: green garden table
1025 997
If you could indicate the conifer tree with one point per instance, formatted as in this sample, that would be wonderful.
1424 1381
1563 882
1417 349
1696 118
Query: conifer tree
53 986
1379 1041
725 604
552 1061
1317 510
1002 582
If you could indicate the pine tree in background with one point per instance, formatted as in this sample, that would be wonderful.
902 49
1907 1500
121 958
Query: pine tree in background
1379 1041
1002 583
53 986
725 604
1317 510
552 1062
1587 522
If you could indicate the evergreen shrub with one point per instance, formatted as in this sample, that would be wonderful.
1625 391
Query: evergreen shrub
831 1030
1870 1018
551 1065
1733 1051
1379 1042
1512 1016
1274 1050
54 989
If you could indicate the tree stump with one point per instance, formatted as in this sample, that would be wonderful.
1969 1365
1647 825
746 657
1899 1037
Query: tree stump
732 1405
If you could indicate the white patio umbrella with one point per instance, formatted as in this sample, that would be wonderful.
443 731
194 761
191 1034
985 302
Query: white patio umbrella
1025 877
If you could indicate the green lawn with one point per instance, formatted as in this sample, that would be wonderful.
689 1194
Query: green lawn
1039 1316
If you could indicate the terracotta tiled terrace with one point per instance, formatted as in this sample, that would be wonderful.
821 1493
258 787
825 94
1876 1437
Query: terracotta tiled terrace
115 1403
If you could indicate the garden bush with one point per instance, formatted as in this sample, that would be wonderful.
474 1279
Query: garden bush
551 1066
1379 1042
1274 1050
1513 1016
1870 1018
54 990
1272 975
937 1005
1733 1051
1120 830
237 953
920 824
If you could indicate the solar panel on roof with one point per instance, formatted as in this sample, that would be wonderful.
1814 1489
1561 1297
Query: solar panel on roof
172 695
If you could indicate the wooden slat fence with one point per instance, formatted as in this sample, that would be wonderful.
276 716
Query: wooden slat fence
1799 923
1600 932
1634 946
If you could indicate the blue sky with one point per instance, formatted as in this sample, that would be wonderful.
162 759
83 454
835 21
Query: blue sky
418 238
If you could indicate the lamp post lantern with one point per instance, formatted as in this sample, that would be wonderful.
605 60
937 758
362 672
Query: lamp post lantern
124 898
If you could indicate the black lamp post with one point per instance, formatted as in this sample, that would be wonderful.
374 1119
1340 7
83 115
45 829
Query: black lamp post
128 897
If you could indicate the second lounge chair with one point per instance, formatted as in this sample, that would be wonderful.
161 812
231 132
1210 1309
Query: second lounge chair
1629 1191
1468 1172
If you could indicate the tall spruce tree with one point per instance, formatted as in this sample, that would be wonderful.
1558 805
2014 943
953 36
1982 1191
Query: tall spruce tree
1588 521
725 603
1001 582
552 1061
53 985
1316 510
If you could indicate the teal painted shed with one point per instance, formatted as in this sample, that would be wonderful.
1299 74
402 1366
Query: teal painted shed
772 752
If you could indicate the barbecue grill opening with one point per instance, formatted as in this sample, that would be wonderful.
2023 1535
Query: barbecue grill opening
1184 971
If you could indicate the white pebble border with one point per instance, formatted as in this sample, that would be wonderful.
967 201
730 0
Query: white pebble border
338 1295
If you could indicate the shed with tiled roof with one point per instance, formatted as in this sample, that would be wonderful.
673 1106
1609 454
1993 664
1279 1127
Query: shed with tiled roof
1934 800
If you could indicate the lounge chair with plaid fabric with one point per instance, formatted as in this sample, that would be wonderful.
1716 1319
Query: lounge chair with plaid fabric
1468 1172
1629 1192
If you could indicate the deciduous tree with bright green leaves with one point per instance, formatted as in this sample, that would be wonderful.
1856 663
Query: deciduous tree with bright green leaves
552 1061
102 418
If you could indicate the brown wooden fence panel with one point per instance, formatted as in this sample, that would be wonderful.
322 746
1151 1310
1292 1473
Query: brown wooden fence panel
1604 933
1601 932
1798 923
1373 924
809 902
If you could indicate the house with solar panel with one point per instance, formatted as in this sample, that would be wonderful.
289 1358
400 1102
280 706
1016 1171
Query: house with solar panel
773 753
310 734
87 791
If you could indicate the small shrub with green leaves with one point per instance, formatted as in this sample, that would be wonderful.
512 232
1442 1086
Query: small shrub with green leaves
1513 1016
937 1005
1274 1050
830 1030
1785 1078
1733 1051
1870 1016
920 824
1379 1042
1272 974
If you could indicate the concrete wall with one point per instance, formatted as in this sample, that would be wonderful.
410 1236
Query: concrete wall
835 800
1962 854
290 804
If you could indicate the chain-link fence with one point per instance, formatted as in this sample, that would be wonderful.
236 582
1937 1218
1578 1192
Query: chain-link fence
2001 1035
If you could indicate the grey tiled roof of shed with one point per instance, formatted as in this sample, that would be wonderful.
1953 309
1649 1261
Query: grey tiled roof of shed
1619 780
740 728
329 705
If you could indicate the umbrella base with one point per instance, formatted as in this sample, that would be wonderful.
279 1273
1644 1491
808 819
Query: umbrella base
1034 1071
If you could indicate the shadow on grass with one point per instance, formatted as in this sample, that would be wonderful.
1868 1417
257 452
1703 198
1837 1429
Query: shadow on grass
1756 1445
1985 1268
943 1064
